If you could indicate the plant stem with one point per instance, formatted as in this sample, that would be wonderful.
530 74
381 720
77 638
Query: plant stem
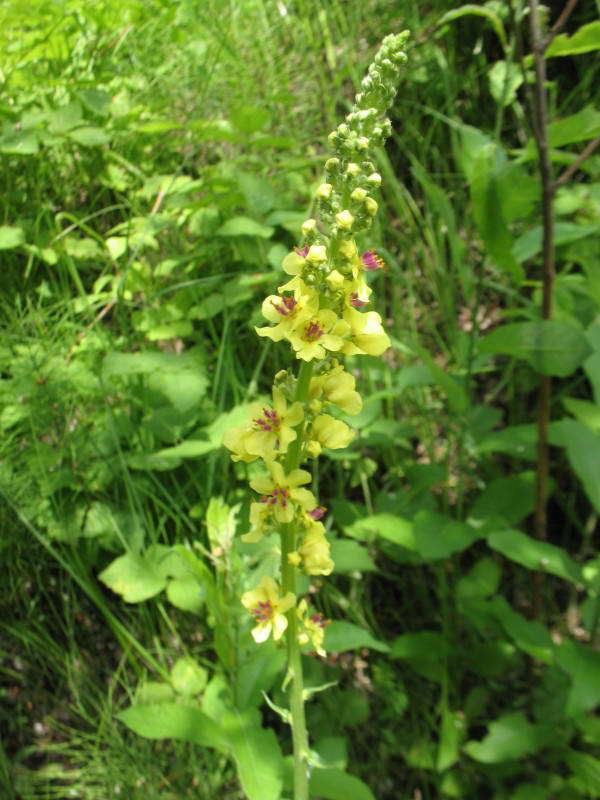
288 584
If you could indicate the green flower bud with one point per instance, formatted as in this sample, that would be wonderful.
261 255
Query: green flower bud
317 254
332 165
324 191
358 195
308 227
371 206
362 143
353 169
345 220
374 180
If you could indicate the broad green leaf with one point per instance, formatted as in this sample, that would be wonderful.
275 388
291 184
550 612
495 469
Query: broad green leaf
350 556
481 581
250 119
511 498
437 536
529 636
257 673
582 664
258 760
578 127
341 636
244 226
153 692
20 143
584 40
333 784
583 450
535 555
330 752
135 577
493 659
530 243
531 791
95 100
174 721
509 738
170 330
186 593
214 129
479 11
258 192
388 526
423 651
452 731
89 137
188 677
585 412
552 348
11 236
62 119
158 126
192 448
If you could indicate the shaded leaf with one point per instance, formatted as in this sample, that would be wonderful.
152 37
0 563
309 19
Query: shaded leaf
333 784
437 536
174 721
423 651
583 449
349 556
583 666
510 737
535 555
341 636
134 577
585 39
187 676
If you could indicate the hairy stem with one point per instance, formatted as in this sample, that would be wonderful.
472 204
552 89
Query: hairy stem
288 584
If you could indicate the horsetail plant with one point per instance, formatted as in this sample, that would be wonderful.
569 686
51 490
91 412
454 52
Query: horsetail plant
321 312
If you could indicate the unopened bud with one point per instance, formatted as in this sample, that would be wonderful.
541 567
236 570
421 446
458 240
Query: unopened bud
353 169
332 165
324 191
358 195
371 206
374 179
345 220
317 254
308 226
362 143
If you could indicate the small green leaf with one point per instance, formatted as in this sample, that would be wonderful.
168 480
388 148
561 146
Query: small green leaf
186 593
437 536
511 498
388 526
582 446
134 577
11 236
423 651
250 119
505 77
552 348
584 40
583 666
349 556
510 737
586 773
333 784
244 226
535 555
452 731
20 143
258 760
89 137
480 582
96 100
529 636
258 673
342 636
188 677
152 692
174 721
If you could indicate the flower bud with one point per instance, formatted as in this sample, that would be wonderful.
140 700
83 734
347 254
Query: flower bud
332 165
343 130
317 254
308 226
353 170
374 179
345 220
324 191
371 206
362 143
358 195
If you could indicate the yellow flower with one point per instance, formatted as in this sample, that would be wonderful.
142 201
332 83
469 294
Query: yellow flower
268 609
287 312
367 335
323 331
313 625
338 387
268 434
315 550
326 431
281 491
261 521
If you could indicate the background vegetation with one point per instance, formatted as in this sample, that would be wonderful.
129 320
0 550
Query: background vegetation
157 160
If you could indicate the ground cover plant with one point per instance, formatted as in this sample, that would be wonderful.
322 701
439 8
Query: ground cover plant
158 166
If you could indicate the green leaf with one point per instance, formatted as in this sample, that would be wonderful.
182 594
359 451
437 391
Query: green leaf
333 784
480 582
95 100
258 192
20 143
478 11
258 673
258 760
174 721
535 555
458 399
586 773
135 577
530 637
349 556
388 526
531 791
437 536
552 348
583 448
530 243
188 677
423 651
582 664
452 731
186 593
510 737
11 236
584 40
250 119
342 636
511 498
505 77
244 226
89 137
153 692
587 413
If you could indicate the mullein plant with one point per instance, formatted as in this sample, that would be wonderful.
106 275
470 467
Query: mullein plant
322 312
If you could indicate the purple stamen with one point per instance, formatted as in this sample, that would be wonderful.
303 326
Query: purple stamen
371 260
313 331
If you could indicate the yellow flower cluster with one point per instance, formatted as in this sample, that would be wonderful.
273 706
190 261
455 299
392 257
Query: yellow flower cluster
321 312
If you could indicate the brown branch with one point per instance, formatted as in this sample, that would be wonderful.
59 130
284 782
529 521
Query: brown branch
540 117
572 169
560 22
